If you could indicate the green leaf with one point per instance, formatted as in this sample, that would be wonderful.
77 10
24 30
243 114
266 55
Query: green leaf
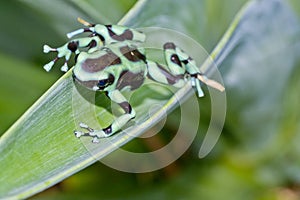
39 150
20 84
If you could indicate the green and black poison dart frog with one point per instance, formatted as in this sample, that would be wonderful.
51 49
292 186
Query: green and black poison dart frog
110 60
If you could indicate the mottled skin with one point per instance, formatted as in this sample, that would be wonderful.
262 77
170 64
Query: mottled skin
113 61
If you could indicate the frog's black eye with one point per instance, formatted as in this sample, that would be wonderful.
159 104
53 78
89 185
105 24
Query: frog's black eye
106 82
102 83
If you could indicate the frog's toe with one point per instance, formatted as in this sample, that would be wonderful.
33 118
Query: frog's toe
78 134
95 140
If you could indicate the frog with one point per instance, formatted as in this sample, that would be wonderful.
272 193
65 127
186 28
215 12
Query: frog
110 59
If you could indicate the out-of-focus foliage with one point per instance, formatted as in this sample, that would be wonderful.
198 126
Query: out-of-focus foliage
257 157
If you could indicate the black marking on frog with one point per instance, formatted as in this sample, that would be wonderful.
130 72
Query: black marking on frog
73 46
126 35
92 44
169 45
108 130
87 84
128 78
175 59
98 64
172 79
126 107
132 54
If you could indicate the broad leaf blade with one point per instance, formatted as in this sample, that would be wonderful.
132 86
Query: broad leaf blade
40 150
49 162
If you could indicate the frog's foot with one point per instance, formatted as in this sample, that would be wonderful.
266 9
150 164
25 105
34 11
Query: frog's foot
63 51
73 46
196 84
95 134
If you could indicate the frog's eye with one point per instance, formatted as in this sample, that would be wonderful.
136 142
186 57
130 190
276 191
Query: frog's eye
106 82
102 83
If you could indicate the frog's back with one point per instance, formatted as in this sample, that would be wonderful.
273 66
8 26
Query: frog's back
132 70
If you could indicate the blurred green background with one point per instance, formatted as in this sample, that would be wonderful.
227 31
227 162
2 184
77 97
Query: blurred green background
257 156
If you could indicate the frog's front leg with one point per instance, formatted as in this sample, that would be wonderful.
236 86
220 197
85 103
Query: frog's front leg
72 46
157 72
117 97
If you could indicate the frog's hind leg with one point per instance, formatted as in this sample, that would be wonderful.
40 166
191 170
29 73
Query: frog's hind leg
180 64
116 125
159 73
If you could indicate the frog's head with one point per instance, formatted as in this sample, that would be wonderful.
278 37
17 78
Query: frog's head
92 70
